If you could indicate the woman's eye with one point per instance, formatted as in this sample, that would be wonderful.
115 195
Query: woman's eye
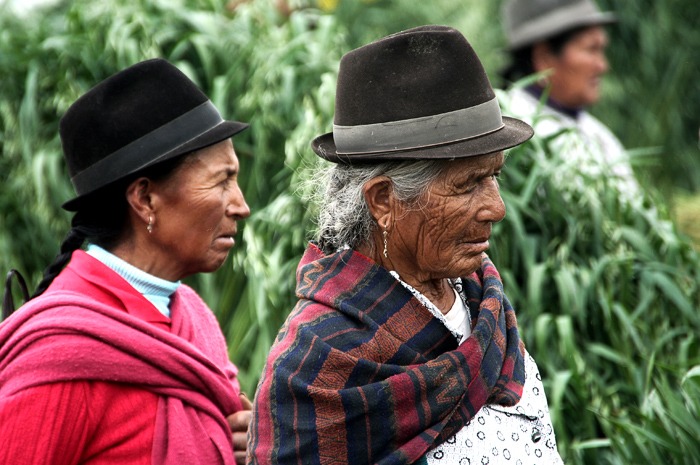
462 188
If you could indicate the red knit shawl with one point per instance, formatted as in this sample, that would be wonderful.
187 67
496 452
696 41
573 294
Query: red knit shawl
65 336
361 372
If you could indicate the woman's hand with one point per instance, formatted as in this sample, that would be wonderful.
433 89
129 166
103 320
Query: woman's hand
238 422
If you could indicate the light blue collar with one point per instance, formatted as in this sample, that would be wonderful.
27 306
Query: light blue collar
158 291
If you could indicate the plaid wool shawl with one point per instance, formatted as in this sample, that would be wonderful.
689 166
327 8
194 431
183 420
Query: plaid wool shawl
361 372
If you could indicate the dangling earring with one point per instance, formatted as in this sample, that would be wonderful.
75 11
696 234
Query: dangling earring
149 228
385 234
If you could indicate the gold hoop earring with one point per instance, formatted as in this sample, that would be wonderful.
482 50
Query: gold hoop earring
149 228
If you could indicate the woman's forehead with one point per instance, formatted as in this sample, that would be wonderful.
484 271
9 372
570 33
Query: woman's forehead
591 34
476 164
463 170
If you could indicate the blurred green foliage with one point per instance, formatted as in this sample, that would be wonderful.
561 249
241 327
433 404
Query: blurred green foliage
651 96
607 294
686 212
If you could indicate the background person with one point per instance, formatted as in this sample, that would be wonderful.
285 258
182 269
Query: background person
566 40
114 360
402 347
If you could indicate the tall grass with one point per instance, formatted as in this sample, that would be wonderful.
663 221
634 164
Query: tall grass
607 293
652 88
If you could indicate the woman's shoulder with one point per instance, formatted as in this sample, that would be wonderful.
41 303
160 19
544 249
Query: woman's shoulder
47 304
187 302
546 121
186 292
593 126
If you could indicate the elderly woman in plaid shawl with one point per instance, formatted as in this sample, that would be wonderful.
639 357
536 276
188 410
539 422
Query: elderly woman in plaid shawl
403 348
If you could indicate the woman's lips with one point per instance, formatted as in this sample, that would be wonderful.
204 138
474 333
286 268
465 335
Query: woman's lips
226 241
479 245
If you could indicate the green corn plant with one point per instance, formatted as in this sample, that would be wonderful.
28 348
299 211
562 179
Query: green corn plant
652 87
610 284
607 294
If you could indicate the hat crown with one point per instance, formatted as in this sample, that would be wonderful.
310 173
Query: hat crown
519 12
417 94
527 21
423 71
122 109
141 116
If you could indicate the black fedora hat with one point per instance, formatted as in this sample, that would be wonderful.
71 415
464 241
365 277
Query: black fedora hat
143 115
417 94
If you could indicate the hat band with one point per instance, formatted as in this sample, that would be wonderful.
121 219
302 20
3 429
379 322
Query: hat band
558 20
148 148
420 132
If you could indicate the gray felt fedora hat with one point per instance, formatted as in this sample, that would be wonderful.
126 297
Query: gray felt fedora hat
143 115
417 94
529 21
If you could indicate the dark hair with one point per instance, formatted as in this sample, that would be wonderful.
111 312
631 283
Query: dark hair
8 304
521 58
102 219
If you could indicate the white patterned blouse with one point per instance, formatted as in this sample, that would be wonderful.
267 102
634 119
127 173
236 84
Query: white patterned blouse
518 435
497 435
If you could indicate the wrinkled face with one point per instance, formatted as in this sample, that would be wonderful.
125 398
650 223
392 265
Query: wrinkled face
578 69
199 205
446 234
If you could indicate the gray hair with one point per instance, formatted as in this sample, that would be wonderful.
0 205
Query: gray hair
344 218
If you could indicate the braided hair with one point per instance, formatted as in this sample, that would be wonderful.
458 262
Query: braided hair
91 222
95 223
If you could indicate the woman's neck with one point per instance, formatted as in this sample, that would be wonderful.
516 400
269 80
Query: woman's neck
438 291
537 92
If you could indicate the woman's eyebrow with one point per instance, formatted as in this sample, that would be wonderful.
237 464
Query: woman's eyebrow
481 172
227 170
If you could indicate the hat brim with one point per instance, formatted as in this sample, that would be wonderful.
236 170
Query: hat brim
215 135
514 132
542 33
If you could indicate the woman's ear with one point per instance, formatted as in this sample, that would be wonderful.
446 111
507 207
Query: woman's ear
379 195
138 195
542 57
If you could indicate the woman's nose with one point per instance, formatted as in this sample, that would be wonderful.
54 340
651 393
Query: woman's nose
237 205
494 209
603 64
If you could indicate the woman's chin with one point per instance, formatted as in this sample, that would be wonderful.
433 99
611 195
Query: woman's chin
469 264
214 263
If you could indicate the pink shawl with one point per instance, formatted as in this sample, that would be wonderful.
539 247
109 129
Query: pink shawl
65 336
